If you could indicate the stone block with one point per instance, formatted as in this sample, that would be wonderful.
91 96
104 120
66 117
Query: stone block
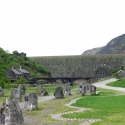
41 91
22 88
1 92
10 113
16 95
59 93
80 88
67 90
31 101
89 89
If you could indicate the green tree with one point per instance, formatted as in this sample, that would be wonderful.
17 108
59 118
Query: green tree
11 64
21 81
15 52
2 82
11 59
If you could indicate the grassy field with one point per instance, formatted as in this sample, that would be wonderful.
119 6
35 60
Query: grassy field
119 83
107 105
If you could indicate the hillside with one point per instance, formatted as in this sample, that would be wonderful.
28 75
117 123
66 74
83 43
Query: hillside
7 61
115 46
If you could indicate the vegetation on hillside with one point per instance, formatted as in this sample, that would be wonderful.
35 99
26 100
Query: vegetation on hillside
115 46
7 61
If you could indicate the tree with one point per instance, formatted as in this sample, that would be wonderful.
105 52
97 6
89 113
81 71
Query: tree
21 81
15 52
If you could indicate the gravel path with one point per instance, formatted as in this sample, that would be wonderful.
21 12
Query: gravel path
102 84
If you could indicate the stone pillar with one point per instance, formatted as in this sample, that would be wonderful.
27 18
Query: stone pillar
22 88
80 88
16 94
1 92
41 91
67 90
89 89
31 101
10 113
59 93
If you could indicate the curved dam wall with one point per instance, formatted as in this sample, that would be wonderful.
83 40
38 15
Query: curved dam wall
79 66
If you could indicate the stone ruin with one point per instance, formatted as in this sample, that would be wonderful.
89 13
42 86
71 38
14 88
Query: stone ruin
10 113
59 92
67 90
41 91
16 95
87 89
31 101
1 92
22 88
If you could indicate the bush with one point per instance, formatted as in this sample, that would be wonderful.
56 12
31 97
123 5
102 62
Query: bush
21 81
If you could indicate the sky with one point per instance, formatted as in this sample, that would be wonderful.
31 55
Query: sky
59 27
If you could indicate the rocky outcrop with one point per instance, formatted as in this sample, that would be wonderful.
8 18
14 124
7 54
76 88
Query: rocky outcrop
115 46
92 51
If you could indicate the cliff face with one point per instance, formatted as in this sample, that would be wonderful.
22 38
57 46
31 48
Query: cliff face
115 46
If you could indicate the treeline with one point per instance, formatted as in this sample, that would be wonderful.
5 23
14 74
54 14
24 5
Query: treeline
7 61
80 66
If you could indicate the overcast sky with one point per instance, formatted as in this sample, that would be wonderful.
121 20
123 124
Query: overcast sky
59 27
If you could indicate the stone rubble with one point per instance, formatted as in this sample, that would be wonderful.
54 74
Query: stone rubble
80 109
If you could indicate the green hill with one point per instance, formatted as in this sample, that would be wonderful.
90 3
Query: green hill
7 61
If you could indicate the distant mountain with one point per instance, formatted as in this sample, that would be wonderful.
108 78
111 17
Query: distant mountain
92 51
115 46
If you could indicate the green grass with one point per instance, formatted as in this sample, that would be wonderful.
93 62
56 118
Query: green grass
49 88
107 105
119 83
110 109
